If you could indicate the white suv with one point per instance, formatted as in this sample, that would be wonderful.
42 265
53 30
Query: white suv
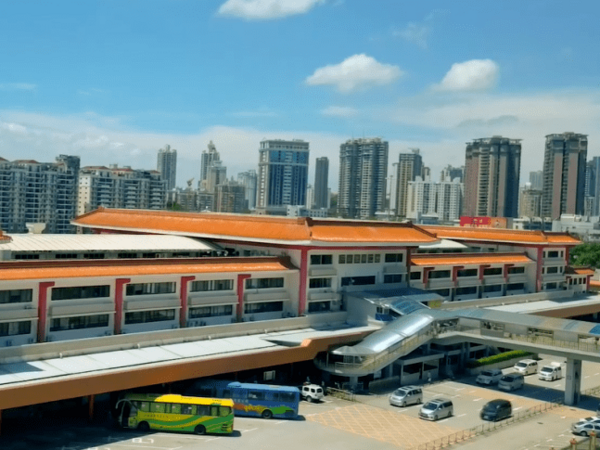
312 392
490 376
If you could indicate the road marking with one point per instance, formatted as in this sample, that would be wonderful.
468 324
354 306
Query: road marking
461 415
248 431
586 376
596 374
516 409
280 422
214 439
460 389
477 399
442 421
548 440
556 385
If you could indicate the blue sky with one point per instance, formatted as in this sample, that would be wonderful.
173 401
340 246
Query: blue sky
114 81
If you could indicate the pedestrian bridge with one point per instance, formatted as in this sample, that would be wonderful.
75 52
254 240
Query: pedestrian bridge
574 340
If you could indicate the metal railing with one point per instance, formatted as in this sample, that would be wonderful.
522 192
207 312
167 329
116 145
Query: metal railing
342 393
488 427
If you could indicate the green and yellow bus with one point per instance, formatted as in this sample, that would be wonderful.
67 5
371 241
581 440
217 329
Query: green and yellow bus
170 412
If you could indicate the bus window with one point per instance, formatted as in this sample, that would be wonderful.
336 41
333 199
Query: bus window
287 396
214 411
188 409
256 395
275 396
145 406
158 407
203 410
175 408
224 411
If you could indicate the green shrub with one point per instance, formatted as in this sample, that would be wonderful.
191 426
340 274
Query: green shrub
497 358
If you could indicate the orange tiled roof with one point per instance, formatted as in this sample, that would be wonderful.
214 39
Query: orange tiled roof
261 228
48 270
580 270
595 283
446 259
503 235
4 238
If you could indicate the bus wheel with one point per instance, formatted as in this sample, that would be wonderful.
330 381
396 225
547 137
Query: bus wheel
143 426
267 414
200 430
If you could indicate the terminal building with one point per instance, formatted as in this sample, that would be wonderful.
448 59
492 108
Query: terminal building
304 288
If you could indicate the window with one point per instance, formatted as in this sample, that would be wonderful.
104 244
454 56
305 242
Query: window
150 288
203 410
127 255
149 316
342 259
392 278
257 308
553 254
212 285
15 328
358 281
514 270
493 288
442 292
515 286
16 296
65 256
26 256
315 283
467 290
188 409
145 406
78 323
394 257
466 273
315 307
287 396
367 258
321 259
175 408
157 407
415 275
256 395
493 271
264 283
93 256
211 311
224 411
551 285
551 270
73 293
439 274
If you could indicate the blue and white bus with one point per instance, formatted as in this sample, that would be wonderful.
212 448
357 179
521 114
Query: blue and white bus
254 400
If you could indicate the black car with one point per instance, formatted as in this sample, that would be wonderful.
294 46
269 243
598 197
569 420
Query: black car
496 410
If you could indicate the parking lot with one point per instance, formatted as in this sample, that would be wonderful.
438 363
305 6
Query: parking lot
370 422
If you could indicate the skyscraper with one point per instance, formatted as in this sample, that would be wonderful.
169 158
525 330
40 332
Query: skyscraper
537 180
531 201
450 173
282 175
565 158
321 193
592 186
426 197
410 166
492 170
248 180
207 159
363 172
167 165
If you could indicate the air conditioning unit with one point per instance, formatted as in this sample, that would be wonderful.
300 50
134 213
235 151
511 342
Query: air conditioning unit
8 343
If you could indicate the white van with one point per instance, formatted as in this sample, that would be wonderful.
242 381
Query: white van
406 395
526 366
551 372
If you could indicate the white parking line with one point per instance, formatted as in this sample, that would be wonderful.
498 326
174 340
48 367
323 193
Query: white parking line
461 415
477 399
516 409
596 374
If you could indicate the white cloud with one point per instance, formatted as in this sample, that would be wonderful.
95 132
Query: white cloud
266 9
339 111
473 75
417 33
355 72
17 87
260 112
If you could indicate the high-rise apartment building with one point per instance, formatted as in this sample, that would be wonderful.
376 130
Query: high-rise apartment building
363 172
592 187
427 197
530 204
120 187
409 167
321 191
230 197
207 159
565 159
282 175
34 192
450 173
492 170
216 174
537 180
248 180
167 165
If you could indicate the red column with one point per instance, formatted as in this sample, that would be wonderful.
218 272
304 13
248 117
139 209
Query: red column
240 294
481 269
455 270
540 262
119 283
183 290
408 264
426 271
303 281
506 267
43 309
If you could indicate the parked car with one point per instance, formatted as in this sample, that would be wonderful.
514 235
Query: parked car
584 428
511 382
312 392
551 372
496 410
490 376
406 395
436 409
526 366
592 419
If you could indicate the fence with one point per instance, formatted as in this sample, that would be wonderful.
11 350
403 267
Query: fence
343 394
464 435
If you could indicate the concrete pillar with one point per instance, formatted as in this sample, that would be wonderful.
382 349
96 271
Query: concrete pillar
353 381
90 407
573 382
388 371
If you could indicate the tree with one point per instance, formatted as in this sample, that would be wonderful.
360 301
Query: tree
585 255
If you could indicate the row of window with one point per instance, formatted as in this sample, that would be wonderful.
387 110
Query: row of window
554 269
211 311
15 328
16 296
176 408
77 323
211 285
471 290
264 283
357 259
150 288
462 273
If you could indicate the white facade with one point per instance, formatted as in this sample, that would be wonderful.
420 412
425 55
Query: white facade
443 199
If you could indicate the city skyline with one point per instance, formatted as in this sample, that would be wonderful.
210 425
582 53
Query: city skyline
417 76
